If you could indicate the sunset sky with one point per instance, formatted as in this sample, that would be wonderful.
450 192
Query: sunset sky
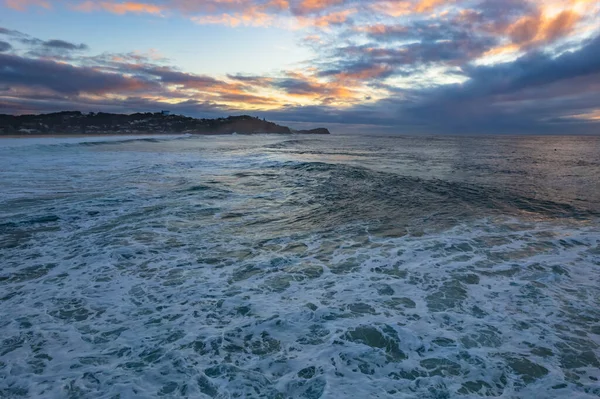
432 66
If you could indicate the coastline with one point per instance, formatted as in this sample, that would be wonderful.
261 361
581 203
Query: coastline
76 136
76 123
79 135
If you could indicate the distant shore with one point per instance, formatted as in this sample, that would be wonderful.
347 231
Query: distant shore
76 123
64 136
80 135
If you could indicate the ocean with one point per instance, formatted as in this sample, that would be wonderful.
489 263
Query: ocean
341 266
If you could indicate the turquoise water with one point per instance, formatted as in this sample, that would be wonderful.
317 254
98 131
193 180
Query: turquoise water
293 266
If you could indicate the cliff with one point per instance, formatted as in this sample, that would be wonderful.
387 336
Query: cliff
75 122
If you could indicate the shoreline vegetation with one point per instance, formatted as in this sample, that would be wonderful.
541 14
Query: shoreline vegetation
75 123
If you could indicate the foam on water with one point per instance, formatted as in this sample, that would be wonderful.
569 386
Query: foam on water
200 272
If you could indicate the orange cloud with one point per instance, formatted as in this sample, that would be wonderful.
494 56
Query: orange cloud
372 72
524 30
344 89
590 116
393 9
552 21
381 29
561 25
120 8
317 5
542 28
500 50
333 18
21 5
405 7
251 17
428 5
281 4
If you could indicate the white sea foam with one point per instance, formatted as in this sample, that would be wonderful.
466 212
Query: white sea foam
177 278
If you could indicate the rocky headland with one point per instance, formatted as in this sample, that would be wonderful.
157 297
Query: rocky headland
78 123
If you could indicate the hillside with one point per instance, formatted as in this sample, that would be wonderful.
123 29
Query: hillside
75 122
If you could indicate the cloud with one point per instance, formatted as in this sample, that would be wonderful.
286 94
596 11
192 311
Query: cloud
334 18
252 79
64 78
59 45
119 8
45 47
418 65
124 105
251 17
64 45
430 5
310 6
52 49
542 28
4 46
11 33
22 5
536 93
519 96
535 70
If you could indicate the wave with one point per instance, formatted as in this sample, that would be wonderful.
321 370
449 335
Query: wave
291 143
335 194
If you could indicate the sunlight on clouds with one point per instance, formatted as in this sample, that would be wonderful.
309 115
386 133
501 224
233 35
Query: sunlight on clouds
554 20
253 18
429 5
316 5
406 7
355 52
326 20
119 8
21 5
430 77
505 53
589 116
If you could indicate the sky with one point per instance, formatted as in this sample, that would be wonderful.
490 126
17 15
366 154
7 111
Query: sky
393 66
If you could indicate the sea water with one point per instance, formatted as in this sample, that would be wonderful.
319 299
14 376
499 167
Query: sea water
300 266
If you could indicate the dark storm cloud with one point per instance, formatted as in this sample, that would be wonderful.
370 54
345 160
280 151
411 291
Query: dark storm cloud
521 96
421 30
48 44
171 76
63 45
128 105
367 61
64 78
12 33
58 49
405 49
361 114
4 46
296 86
537 93
503 12
414 54
139 65
532 71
